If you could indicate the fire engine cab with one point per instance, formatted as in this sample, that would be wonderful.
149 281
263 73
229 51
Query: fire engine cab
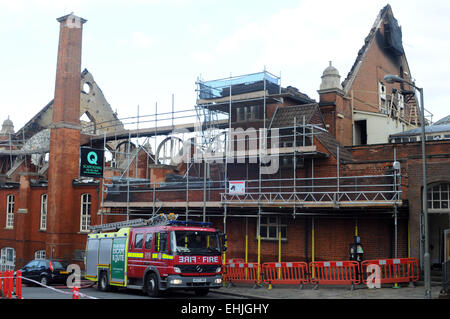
158 254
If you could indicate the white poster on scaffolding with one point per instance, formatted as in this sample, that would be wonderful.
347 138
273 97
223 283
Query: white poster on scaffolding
236 187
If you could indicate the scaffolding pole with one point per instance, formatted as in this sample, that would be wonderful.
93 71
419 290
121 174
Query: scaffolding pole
295 160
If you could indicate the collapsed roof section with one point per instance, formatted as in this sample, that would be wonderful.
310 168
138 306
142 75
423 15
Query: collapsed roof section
93 104
383 51
392 39
33 139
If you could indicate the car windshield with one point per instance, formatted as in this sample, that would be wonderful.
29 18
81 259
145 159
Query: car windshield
195 243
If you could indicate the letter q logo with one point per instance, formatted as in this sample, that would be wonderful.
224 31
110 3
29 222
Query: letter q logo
92 158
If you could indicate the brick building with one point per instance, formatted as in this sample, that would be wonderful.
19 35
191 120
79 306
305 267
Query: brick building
272 167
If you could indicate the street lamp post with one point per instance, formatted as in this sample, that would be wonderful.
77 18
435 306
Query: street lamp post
390 78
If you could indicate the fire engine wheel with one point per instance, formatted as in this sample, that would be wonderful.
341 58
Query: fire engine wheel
103 284
152 285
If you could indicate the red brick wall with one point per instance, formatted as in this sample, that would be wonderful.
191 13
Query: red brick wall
27 238
7 236
375 157
332 239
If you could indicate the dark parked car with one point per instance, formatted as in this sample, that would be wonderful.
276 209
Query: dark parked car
45 271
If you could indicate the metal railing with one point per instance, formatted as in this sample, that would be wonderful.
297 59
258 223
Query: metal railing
351 190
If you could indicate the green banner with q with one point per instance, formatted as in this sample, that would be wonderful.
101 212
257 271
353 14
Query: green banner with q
91 162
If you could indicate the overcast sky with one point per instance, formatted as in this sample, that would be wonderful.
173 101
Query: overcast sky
142 51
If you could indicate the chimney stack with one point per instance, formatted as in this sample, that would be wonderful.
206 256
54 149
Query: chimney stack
65 130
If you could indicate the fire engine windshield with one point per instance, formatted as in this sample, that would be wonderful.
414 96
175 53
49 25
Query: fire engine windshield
195 243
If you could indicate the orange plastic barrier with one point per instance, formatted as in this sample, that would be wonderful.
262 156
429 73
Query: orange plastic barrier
393 270
334 272
286 273
235 261
243 273
231 261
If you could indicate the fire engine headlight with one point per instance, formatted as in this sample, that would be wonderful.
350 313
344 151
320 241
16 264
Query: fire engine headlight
176 281
218 269
218 280
177 270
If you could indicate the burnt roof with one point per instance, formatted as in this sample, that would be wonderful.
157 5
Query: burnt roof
331 144
284 116
363 50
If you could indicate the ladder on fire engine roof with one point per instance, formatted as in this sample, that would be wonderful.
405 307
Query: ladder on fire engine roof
159 220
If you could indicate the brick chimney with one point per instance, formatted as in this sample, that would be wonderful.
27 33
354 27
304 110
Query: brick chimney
63 215
335 109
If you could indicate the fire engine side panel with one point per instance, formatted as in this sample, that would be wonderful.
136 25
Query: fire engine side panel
118 257
107 251
118 262
92 257
104 255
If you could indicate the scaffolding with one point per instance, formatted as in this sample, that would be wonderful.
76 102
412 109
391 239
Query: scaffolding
185 160
193 156
227 157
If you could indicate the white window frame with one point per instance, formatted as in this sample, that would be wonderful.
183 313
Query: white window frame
44 209
439 198
85 212
240 114
10 200
382 98
247 113
401 104
39 254
7 264
273 222
254 112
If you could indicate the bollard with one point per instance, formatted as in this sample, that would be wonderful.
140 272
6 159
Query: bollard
6 283
75 293
19 284
10 281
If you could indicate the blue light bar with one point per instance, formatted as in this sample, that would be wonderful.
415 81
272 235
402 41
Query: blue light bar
189 222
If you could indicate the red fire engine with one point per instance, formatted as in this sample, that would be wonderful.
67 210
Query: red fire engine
159 254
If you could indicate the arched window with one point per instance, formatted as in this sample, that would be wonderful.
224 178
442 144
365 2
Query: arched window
7 259
43 223
10 211
439 197
85 218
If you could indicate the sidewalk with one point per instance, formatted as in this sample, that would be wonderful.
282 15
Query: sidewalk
329 292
